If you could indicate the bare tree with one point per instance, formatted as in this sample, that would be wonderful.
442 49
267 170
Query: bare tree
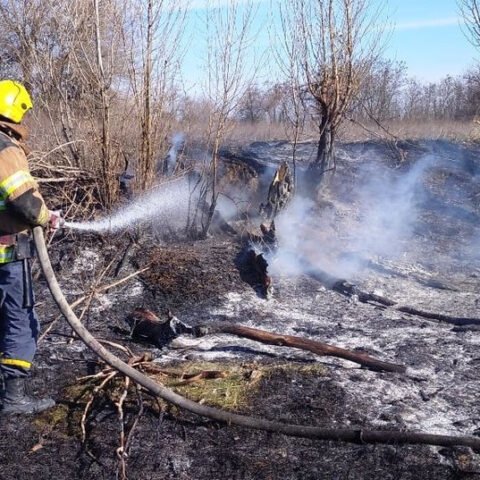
274 98
294 111
103 81
470 10
67 54
251 107
381 91
471 95
229 37
332 45
100 71
153 43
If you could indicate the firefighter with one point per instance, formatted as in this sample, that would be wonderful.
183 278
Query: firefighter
21 208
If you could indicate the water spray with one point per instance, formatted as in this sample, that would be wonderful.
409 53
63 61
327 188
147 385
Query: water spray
165 204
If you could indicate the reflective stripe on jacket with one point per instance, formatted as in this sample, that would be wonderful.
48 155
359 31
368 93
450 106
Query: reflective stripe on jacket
14 182
7 253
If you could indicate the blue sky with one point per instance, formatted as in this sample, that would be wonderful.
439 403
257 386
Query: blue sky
426 34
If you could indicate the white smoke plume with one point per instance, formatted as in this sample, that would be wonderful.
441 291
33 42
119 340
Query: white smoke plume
177 142
378 221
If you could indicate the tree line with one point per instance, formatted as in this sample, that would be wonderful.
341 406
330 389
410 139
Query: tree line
386 94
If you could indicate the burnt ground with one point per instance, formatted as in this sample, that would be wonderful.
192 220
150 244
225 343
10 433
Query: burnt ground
409 231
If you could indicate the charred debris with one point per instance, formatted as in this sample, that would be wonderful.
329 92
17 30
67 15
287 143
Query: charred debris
249 168
261 246
258 247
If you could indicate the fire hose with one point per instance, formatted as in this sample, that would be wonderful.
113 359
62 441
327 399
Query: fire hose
319 433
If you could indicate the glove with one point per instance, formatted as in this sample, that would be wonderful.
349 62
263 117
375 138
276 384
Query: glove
56 220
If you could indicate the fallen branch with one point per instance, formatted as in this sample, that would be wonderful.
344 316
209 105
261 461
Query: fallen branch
350 290
57 180
313 346
121 451
98 388
438 316
122 280
122 261
344 434
144 323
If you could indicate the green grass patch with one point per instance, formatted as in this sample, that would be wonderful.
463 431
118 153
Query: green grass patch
236 385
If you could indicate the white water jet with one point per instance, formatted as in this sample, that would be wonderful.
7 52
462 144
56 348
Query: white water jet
164 205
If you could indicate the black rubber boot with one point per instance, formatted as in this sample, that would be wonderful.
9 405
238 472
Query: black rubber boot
15 400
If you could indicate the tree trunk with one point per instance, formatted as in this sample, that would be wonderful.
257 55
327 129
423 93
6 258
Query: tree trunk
322 167
325 160
146 146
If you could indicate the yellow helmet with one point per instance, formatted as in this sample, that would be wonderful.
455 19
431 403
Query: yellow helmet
15 101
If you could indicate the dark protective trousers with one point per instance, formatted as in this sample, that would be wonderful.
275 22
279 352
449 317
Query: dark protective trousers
19 326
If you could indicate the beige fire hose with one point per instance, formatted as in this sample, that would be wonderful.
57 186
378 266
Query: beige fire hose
343 434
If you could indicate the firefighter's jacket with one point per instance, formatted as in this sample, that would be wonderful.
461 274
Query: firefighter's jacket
21 204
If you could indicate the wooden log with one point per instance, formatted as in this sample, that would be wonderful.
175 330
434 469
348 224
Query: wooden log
349 290
149 326
319 348
441 317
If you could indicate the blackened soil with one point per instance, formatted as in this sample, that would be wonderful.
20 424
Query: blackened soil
169 444
191 279
184 275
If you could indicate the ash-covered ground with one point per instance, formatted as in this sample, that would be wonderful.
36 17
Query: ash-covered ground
406 230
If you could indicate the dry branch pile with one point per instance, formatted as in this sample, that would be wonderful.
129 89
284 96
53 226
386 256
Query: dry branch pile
73 189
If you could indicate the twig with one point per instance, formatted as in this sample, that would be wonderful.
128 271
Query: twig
57 180
58 317
103 288
117 345
89 298
137 417
122 280
58 147
90 402
121 450
122 261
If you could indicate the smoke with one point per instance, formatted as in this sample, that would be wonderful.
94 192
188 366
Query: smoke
389 209
378 220
166 205
177 143
229 206
234 201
